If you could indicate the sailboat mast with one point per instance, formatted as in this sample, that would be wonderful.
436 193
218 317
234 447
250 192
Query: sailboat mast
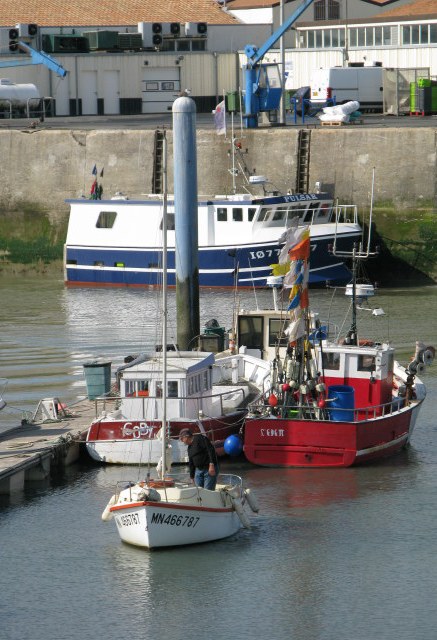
164 305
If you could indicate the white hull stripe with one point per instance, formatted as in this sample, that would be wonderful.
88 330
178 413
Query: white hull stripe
381 447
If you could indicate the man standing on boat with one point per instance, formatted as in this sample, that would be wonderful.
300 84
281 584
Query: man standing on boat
202 459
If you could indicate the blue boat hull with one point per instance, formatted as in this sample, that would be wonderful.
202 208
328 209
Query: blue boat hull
220 267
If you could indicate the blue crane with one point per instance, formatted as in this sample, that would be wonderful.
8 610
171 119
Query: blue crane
263 81
36 57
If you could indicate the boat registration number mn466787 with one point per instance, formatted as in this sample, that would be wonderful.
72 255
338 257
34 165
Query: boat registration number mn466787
175 520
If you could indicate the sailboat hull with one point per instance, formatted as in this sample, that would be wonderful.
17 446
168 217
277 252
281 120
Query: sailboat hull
154 525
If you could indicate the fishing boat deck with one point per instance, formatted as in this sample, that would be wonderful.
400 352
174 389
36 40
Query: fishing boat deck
31 451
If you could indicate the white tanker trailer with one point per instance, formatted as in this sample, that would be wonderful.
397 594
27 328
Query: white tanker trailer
18 97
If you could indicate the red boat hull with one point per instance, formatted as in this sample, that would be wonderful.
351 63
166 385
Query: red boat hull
282 442
216 429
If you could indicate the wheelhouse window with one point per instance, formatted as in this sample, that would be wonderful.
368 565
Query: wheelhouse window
172 389
331 361
137 388
263 214
251 213
106 219
308 216
206 381
366 363
279 215
170 222
276 333
237 214
222 214
250 331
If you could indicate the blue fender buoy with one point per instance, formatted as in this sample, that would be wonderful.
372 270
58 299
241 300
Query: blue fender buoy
233 445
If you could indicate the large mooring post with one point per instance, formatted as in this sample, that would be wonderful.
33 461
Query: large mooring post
186 231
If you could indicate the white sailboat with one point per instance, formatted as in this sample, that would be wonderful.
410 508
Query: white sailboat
171 511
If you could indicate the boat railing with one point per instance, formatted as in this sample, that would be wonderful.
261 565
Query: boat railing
182 480
149 406
345 213
338 414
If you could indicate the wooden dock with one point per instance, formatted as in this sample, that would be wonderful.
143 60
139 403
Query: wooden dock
33 450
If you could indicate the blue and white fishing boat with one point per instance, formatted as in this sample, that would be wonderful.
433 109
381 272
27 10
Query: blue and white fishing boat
119 241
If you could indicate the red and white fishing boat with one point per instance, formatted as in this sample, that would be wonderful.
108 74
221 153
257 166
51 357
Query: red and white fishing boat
204 393
334 402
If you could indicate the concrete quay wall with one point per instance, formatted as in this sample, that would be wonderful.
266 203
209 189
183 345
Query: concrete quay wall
42 168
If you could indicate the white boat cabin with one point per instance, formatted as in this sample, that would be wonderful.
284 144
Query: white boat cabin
189 386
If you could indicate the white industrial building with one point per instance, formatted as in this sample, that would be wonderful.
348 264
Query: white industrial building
134 69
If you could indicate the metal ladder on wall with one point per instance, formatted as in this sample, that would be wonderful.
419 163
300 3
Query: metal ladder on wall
158 154
303 161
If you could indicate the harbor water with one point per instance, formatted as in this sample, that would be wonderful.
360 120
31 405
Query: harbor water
345 554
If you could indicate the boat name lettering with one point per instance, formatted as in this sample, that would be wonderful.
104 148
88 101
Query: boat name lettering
299 197
269 253
141 430
174 520
272 432
129 519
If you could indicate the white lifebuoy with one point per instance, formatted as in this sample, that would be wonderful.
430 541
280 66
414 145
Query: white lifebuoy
136 432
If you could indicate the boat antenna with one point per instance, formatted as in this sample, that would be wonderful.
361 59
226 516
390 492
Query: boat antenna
358 253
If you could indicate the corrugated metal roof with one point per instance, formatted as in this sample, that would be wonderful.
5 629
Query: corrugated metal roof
71 13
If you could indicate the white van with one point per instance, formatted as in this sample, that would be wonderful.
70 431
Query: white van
343 84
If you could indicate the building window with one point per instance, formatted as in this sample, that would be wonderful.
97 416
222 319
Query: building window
106 219
386 36
183 45
419 34
325 38
326 10
168 45
198 45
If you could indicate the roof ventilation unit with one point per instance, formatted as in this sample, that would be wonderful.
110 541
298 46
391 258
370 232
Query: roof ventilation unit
27 30
193 29
151 33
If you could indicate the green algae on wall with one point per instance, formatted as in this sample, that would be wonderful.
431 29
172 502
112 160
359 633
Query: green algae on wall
27 236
